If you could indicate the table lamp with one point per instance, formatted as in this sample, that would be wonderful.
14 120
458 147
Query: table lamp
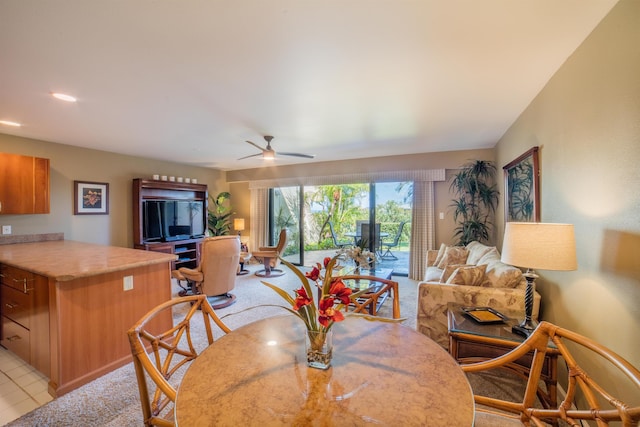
238 224
539 246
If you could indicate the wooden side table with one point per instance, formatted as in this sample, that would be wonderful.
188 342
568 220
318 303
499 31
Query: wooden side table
470 341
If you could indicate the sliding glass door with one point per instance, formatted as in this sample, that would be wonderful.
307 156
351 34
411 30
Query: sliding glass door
393 213
285 212
321 219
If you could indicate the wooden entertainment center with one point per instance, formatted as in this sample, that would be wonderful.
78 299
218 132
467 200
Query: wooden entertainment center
188 248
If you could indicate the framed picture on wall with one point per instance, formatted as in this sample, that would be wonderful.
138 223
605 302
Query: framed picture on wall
90 198
521 188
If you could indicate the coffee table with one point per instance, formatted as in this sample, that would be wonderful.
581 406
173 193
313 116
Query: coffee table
371 287
471 341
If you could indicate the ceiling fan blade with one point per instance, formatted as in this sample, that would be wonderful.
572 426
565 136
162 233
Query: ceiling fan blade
253 155
255 145
306 156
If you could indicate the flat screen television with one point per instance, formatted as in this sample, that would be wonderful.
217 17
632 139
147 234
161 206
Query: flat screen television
169 220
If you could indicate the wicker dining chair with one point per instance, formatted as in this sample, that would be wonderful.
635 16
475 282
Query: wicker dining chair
160 349
585 398
368 302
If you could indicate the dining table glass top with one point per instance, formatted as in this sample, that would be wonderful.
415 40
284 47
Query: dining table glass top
381 373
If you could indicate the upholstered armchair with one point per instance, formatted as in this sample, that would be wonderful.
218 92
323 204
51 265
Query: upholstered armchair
270 256
215 276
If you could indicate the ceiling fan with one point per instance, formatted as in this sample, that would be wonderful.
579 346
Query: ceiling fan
269 153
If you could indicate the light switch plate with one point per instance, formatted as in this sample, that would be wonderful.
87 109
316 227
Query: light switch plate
6 229
127 283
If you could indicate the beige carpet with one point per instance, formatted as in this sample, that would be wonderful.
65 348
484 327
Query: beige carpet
112 400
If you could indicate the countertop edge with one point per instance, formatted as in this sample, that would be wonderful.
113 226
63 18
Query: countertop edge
98 259
69 277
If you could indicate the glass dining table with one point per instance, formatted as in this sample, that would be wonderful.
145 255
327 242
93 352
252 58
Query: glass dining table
382 373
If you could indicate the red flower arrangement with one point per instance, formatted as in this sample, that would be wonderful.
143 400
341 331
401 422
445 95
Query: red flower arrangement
333 295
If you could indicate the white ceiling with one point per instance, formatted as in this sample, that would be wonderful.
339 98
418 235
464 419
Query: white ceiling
190 80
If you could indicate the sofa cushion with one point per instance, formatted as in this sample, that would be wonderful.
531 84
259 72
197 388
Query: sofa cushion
432 274
473 275
443 247
491 255
448 271
453 255
476 251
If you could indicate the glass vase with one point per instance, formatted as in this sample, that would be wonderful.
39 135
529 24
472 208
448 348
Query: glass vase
319 349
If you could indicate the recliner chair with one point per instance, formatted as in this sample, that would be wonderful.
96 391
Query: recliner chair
215 276
270 256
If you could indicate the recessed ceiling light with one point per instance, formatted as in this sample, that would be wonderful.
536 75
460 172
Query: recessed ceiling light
63 97
10 123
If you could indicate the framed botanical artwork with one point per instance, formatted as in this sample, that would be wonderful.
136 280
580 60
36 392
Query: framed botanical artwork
521 188
90 198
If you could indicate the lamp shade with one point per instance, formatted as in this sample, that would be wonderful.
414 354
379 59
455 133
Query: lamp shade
238 224
539 246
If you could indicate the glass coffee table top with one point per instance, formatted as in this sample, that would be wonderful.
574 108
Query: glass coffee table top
359 284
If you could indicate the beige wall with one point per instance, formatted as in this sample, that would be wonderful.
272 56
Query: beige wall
587 124
70 163
448 160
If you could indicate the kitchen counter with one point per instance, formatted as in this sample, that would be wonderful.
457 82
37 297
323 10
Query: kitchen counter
65 260
77 302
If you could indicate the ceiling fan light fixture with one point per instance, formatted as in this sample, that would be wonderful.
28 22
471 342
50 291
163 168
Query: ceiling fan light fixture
268 155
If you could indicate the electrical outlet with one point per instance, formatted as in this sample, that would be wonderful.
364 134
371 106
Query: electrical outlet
6 229
127 283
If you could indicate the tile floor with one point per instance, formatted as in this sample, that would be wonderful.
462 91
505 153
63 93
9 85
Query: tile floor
22 388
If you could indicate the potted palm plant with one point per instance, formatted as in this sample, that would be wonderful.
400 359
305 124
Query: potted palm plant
475 202
219 215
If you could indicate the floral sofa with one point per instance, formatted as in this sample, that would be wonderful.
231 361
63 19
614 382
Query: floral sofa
473 276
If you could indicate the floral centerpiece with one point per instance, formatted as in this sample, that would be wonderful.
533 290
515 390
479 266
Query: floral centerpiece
318 318
359 255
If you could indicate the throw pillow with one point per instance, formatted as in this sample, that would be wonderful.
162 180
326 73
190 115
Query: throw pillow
468 276
476 251
443 247
501 275
488 257
453 255
449 269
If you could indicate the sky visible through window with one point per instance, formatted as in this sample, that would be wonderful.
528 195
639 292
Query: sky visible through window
385 191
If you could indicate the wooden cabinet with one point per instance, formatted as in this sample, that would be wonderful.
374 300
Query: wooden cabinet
187 249
24 316
24 184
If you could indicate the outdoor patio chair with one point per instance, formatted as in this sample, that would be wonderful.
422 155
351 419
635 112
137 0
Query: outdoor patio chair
393 244
336 242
